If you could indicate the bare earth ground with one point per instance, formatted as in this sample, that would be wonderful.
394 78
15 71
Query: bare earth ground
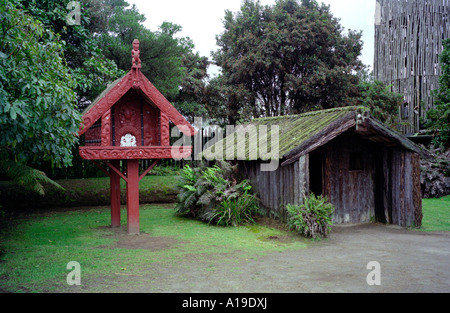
410 261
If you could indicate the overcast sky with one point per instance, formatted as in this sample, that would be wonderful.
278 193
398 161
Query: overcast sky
201 20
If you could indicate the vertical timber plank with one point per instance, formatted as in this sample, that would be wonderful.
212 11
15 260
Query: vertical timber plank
115 194
133 196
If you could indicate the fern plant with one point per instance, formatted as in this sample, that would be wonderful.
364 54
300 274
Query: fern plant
213 194
236 211
312 218
28 177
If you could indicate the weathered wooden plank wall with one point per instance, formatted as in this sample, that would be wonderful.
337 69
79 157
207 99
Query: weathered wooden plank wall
276 189
408 41
417 191
351 191
386 187
403 191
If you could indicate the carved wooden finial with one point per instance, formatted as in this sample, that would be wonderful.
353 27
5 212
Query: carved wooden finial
135 55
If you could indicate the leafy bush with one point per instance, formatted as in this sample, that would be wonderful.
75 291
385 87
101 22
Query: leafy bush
382 102
438 118
213 194
312 218
236 211
161 170
435 173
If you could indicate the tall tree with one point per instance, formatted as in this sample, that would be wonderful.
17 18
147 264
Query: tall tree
38 115
383 103
161 52
287 58
191 99
439 117
91 70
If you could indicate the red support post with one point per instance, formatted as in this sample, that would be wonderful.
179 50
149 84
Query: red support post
115 195
133 196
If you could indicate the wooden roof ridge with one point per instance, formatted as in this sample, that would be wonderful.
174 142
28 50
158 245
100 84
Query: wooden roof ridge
311 113
328 133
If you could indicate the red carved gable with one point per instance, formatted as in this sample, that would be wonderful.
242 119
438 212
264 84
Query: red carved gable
130 120
135 80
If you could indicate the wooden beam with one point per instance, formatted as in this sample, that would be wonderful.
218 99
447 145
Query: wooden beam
324 138
115 195
134 153
133 197
101 167
112 167
148 170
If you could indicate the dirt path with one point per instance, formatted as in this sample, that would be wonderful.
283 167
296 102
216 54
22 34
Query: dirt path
410 261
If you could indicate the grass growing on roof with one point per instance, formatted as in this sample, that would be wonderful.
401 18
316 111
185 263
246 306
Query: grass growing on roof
293 131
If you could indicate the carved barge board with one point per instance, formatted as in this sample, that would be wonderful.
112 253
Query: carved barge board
134 153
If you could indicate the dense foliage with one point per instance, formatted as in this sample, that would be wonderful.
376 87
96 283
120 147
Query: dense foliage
312 218
38 116
51 69
286 58
214 195
384 104
87 64
439 117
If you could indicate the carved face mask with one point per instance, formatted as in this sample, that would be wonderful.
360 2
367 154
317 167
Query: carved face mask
128 140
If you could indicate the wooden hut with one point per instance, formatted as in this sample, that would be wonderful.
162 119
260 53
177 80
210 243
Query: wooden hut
367 170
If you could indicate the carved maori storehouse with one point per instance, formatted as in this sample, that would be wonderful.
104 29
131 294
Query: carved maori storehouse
408 42
129 122
367 170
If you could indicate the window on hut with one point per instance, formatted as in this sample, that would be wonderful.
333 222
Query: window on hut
355 161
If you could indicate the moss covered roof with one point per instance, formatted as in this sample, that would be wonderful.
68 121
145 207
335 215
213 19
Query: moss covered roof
294 130
297 133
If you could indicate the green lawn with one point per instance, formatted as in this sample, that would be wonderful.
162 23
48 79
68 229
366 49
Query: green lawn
436 214
37 250
84 192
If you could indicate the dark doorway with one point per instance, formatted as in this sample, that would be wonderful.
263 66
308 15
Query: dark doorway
380 186
316 173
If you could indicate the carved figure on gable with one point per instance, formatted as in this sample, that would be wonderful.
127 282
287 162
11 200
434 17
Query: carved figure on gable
126 113
135 54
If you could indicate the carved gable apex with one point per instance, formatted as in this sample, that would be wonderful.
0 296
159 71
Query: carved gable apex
134 79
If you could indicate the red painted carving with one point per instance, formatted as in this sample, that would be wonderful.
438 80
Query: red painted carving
165 133
150 94
140 110
151 125
128 118
104 104
135 55
93 136
106 129
129 153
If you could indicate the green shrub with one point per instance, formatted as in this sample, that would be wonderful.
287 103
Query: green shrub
161 170
236 211
214 195
312 218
